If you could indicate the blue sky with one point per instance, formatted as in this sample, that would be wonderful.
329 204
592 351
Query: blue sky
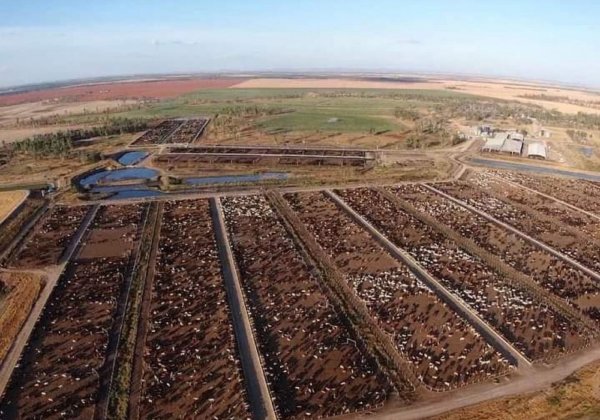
59 39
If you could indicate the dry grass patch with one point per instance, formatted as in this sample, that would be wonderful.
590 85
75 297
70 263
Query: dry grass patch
9 200
576 397
18 293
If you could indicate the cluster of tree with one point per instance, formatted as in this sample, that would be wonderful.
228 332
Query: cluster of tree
578 135
251 111
431 126
407 114
61 142
87 116
92 156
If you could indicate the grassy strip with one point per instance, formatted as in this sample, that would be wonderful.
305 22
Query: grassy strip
119 392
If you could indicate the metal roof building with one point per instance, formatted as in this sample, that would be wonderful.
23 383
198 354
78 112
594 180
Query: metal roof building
495 143
537 150
513 147
517 136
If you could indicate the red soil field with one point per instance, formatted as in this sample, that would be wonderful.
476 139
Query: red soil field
156 89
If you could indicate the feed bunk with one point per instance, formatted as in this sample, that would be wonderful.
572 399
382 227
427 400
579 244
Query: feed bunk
312 360
443 349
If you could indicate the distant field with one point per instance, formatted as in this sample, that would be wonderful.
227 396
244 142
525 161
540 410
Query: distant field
498 89
368 110
119 90
8 201
10 135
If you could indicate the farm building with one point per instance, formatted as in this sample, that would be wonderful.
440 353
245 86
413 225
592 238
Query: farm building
485 130
495 143
537 150
512 146
511 143
517 136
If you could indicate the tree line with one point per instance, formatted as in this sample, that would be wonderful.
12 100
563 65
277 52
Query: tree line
61 143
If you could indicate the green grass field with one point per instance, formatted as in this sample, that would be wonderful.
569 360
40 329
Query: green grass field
349 110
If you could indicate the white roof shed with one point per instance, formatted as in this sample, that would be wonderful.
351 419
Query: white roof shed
537 149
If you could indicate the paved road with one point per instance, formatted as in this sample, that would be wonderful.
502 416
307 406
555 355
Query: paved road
53 274
517 232
455 302
258 391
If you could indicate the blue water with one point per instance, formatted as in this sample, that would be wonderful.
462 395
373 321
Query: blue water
131 158
232 179
119 175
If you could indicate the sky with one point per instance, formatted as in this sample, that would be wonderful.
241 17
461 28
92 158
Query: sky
551 40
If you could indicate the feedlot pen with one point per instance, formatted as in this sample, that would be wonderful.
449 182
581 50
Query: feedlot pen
311 277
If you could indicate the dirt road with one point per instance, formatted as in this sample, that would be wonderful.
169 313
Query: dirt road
538 379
